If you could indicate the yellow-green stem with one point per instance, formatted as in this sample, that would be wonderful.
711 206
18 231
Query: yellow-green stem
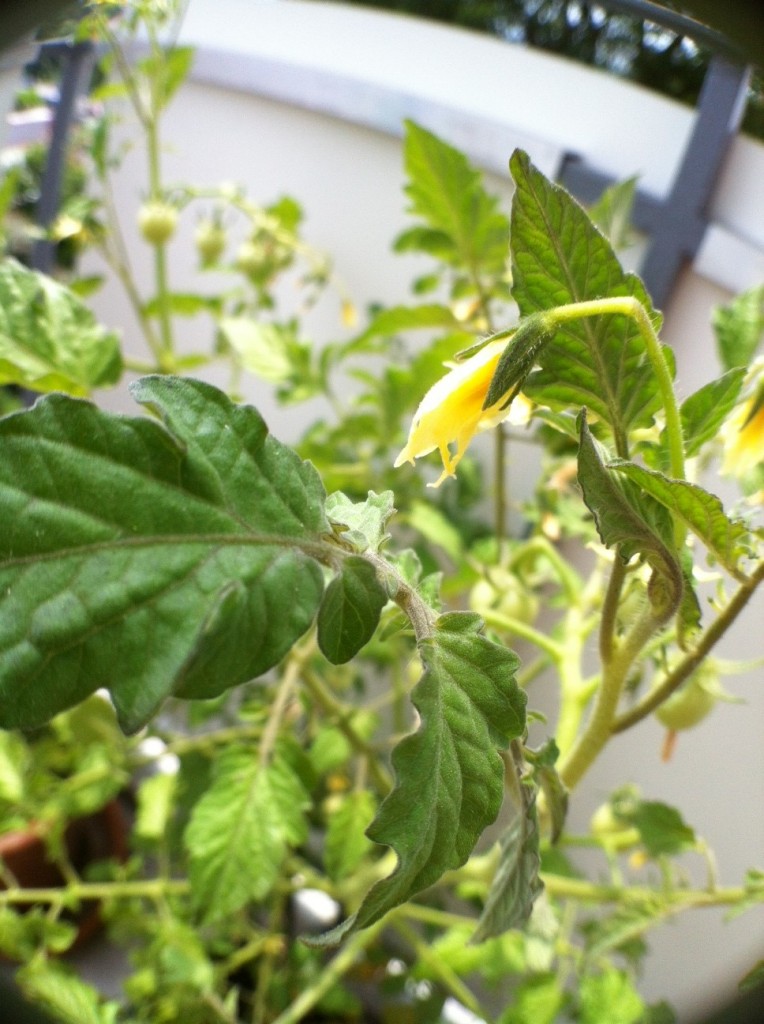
440 969
633 308
693 658
345 959
599 727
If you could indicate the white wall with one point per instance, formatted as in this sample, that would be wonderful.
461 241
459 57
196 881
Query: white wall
307 99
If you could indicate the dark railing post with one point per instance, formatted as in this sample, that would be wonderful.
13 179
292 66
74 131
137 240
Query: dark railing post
75 79
678 231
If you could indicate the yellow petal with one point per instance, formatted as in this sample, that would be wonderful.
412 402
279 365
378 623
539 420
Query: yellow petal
451 412
744 439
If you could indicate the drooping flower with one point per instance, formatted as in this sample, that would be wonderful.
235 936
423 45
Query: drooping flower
743 435
452 412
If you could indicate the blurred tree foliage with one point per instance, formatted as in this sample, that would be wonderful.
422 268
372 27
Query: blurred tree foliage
621 43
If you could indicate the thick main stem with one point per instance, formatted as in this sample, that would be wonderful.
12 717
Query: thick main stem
599 727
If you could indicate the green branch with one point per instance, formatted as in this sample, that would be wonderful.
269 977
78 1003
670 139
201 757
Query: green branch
693 658
600 725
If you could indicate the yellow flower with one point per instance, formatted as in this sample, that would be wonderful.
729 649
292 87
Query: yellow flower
451 412
743 435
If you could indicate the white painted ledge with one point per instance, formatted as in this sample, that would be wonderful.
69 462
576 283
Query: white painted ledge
375 69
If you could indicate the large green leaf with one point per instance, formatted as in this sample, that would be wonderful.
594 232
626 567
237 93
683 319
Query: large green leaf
449 775
49 340
559 257
241 830
448 194
146 558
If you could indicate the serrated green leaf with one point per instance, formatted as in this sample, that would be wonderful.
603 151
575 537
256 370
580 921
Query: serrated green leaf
739 328
149 559
623 926
625 527
609 998
613 210
69 999
49 340
701 511
438 244
167 69
538 1000
346 842
350 610
366 521
705 410
662 830
395 319
516 884
23 933
559 257
447 193
262 348
449 776
241 830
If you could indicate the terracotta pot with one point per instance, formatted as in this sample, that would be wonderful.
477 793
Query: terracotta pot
95 837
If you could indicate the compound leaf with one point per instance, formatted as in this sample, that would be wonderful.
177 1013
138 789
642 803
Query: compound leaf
241 830
447 192
145 558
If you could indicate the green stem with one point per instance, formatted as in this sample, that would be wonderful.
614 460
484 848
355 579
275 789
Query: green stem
435 916
331 974
500 482
679 899
693 658
610 610
568 578
633 308
599 727
342 716
151 889
507 624
444 974
161 285
575 691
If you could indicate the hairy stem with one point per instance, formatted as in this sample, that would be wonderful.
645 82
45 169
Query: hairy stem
599 727
693 658
633 308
